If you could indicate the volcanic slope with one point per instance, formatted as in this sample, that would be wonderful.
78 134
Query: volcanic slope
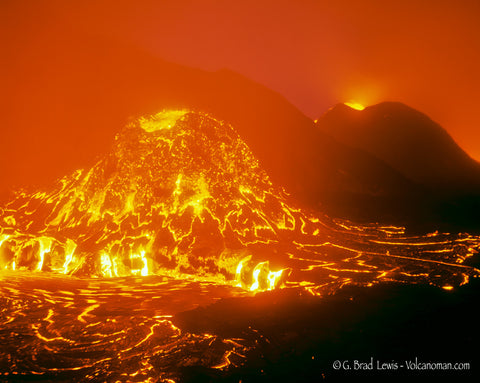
419 149
180 194
408 141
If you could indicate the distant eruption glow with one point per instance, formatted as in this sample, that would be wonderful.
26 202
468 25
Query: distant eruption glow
355 105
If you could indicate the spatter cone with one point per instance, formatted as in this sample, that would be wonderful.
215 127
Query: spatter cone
181 194
179 191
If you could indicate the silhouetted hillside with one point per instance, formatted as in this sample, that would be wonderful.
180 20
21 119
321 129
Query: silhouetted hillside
407 140
418 148
63 112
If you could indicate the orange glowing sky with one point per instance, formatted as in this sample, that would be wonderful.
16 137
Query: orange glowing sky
316 53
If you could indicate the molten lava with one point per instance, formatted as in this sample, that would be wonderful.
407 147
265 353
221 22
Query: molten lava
181 194
179 214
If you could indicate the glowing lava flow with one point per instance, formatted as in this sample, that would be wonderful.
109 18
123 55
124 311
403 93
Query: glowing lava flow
105 329
180 194
177 215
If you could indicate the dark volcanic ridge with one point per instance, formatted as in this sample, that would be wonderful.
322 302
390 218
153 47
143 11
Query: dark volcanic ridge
446 181
408 141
